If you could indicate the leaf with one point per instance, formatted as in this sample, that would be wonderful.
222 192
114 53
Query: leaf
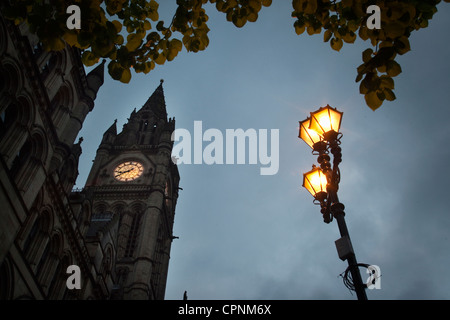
126 76
133 41
266 3
71 38
390 96
299 29
160 59
310 30
239 21
387 82
115 70
252 17
327 35
117 25
119 39
149 65
160 26
367 55
393 29
362 88
336 44
84 39
89 59
393 69
372 100
147 25
153 14
359 77
176 44
402 45
350 37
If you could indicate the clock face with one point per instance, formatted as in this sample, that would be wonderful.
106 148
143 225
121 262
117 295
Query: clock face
128 171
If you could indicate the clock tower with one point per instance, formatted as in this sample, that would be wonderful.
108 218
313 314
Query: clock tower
133 189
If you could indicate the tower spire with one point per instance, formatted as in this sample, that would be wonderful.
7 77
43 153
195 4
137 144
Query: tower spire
156 102
95 78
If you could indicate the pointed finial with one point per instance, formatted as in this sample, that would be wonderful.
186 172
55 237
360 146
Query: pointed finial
161 81
115 121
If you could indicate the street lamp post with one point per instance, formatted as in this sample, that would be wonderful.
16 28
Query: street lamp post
321 133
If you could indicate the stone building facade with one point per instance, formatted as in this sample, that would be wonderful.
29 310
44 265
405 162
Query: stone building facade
118 228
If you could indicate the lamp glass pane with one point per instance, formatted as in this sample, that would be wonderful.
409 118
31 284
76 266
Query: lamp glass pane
325 119
308 135
315 181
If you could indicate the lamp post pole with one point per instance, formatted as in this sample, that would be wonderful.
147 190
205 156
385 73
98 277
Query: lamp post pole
321 133
336 209
360 287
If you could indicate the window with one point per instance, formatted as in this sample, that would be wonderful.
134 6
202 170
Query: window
132 238
31 236
7 118
20 159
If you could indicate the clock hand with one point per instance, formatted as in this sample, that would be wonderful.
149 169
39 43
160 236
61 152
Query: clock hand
122 172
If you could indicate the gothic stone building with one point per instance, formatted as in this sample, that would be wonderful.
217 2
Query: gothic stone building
118 228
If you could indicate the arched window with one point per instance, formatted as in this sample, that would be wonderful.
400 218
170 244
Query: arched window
49 260
28 161
37 239
68 174
8 117
49 65
2 84
43 259
15 121
60 107
32 235
133 235
3 38
107 263
6 280
84 218
21 158
57 287
11 76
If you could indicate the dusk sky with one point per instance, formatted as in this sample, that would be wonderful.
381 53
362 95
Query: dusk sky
243 235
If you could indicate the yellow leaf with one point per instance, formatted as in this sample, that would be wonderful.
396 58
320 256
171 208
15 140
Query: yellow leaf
299 30
239 21
117 25
160 59
372 100
336 44
252 17
126 76
133 41
393 69
175 43
390 96
327 35
89 59
71 38
55 44
119 39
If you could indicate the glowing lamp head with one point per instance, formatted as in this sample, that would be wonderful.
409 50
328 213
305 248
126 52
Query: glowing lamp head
315 181
309 136
325 120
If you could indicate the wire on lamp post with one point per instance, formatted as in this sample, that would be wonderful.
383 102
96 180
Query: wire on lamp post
321 133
